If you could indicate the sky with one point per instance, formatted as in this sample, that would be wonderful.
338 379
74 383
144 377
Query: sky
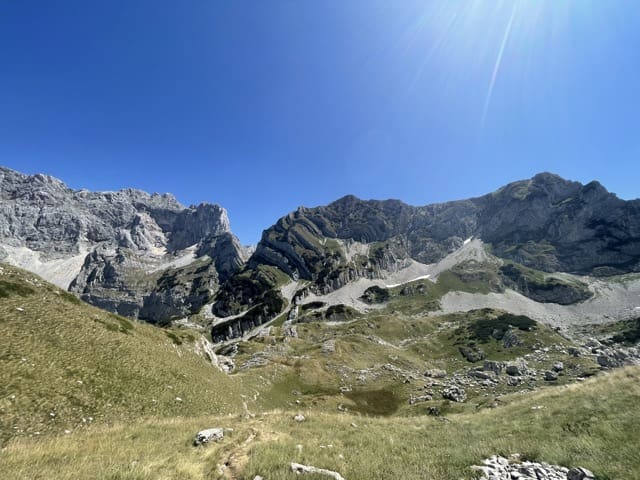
263 106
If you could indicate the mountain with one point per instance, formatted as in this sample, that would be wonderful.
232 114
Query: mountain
533 227
504 315
147 256
129 252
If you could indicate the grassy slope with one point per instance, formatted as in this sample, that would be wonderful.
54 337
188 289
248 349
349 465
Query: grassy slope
62 361
583 424
63 357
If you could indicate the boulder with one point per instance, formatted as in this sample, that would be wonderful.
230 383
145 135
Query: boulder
208 435
579 473
472 354
299 469
435 373
482 375
290 331
550 376
454 393
500 468
517 368
493 366
510 339
329 347
514 381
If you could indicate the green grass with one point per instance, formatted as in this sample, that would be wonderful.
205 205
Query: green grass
65 364
7 289
483 329
581 425
113 383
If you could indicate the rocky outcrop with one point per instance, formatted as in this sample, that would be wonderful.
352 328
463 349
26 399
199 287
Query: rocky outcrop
137 254
208 435
299 468
454 393
500 468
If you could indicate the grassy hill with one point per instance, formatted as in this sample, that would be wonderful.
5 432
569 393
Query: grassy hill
87 394
65 365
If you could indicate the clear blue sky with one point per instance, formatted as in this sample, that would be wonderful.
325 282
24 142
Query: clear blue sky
262 106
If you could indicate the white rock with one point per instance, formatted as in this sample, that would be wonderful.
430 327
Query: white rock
299 468
208 435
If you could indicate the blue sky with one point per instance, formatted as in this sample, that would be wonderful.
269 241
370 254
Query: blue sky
262 106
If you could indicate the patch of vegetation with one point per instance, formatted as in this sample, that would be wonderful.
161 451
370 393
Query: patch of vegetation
260 283
312 306
630 335
70 297
537 286
485 329
67 365
382 402
376 294
179 337
340 311
11 288
115 323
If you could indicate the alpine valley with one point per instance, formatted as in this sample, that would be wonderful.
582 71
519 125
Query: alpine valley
495 337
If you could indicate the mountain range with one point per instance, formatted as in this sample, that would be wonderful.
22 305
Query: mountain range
373 339
149 257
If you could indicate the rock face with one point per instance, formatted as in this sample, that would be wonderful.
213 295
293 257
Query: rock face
546 223
138 254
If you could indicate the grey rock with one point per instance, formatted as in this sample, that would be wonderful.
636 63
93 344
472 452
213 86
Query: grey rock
558 367
579 474
550 376
510 339
482 375
493 366
127 238
208 435
516 368
514 381
499 468
290 331
420 398
435 373
454 393
472 354
299 418
573 351
328 347
300 469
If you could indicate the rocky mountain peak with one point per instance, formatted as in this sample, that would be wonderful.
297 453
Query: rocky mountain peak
109 246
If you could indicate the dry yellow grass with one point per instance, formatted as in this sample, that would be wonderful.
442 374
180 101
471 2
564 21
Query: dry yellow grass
578 425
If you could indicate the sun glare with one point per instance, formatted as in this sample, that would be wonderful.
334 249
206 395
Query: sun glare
479 40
